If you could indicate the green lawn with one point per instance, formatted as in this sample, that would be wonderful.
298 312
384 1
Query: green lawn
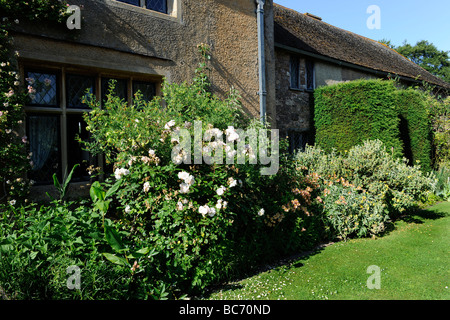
413 260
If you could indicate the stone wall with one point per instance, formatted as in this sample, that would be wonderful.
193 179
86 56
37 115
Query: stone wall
293 105
118 36
120 40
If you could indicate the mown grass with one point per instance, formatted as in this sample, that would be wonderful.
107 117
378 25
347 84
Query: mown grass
413 259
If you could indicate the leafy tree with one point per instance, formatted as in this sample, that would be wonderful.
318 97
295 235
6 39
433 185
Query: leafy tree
387 43
426 55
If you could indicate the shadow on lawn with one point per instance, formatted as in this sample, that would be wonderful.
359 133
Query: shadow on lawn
416 215
419 215
292 261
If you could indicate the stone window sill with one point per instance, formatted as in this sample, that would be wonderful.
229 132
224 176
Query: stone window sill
301 90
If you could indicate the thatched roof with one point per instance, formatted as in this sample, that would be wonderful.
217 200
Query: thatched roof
308 34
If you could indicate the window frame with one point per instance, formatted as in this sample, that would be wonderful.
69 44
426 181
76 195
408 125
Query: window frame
58 142
312 70
74 74
298 140
143 4
63 111
58 85
302 64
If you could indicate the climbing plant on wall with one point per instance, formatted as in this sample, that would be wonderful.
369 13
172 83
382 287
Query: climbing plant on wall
14 158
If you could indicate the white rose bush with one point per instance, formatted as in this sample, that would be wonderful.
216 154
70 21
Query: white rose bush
205 221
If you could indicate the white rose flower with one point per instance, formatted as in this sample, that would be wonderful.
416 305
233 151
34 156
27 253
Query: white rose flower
183 175
120 172
221 190
231 134
169 124
212 212
186 177
146 186
190 180
203 210
261 212
232 182
219 204
231 153
127 209
184 188
177 159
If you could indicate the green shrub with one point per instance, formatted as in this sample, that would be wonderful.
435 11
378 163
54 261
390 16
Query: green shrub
443 183
156 229
417 127
364 187
376 170
207 223
349 113
439 110
352 211
14 158
39 243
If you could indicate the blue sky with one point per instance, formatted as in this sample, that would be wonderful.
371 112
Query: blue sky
401 20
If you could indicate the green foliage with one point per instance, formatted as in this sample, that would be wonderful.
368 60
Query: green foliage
428 56
34 10
349 113
413 109
207 222
352 211
14 159
364 187
443 183
39 243
63 187
439 110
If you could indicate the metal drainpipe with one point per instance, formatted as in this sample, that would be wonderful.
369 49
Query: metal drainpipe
261 61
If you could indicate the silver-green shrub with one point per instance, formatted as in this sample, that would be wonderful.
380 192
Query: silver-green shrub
364 187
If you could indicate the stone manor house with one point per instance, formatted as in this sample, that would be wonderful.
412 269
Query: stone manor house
274 56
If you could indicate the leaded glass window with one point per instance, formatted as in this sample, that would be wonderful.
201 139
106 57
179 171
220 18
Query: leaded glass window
78 88
297 140
54 134
295 72
76 130
301 73
42 88
120 88
157 5
133 2
44 137
309 66
147 89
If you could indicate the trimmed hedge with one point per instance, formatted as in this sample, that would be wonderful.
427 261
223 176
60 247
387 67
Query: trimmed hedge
349 113
413 110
